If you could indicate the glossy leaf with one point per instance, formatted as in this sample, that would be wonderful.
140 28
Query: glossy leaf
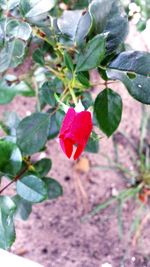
55 190
7 230
8 92
83 79
32 189
46 92
108 110
43 166
109 17
23 208
83 28
8 5
21 30
53 127
35 7
11 159
32 132
68 23
93 144
68 62
134 61
92 55
55 123
138 86
10 122
38 56
87 100
12 54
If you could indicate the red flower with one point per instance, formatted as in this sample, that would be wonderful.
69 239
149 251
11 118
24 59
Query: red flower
76 129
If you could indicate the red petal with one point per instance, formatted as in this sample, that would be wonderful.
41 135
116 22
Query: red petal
78 152
66 146
76 129
81 128
68 120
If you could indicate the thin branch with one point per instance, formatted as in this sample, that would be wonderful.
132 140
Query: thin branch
17 177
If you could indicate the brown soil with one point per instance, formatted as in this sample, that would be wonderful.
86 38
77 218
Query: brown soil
54 234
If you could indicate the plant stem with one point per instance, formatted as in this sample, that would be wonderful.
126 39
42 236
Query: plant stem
17 177
71 89
55 72
104 83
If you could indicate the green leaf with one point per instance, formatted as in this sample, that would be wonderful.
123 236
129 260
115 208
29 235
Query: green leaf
108 110
68 23
32 132
38 56
134 61
55 190
10 122
11 159
4 4
23 88
93 144
59 117
68 62
23 208
7 230
92 55
43 166
83 28
35 7
87 100
109 17
53 127
21 30
12 54
46 92
83 79
75 25
55 123
32 189
139 87
8 92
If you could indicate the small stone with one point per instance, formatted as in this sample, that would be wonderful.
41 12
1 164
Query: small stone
106 264
114 192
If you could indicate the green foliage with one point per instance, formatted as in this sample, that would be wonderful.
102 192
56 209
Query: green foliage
93 54
48 54
35 7
43 166
32 133
32 189
108 17
23 208
7 230
108 110
11 159
93 144
68 61
8 92
139 87
53 187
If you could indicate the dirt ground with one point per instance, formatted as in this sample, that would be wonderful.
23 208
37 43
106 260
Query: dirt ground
54 234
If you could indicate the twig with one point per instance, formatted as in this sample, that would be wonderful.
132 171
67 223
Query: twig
104 83
17 177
